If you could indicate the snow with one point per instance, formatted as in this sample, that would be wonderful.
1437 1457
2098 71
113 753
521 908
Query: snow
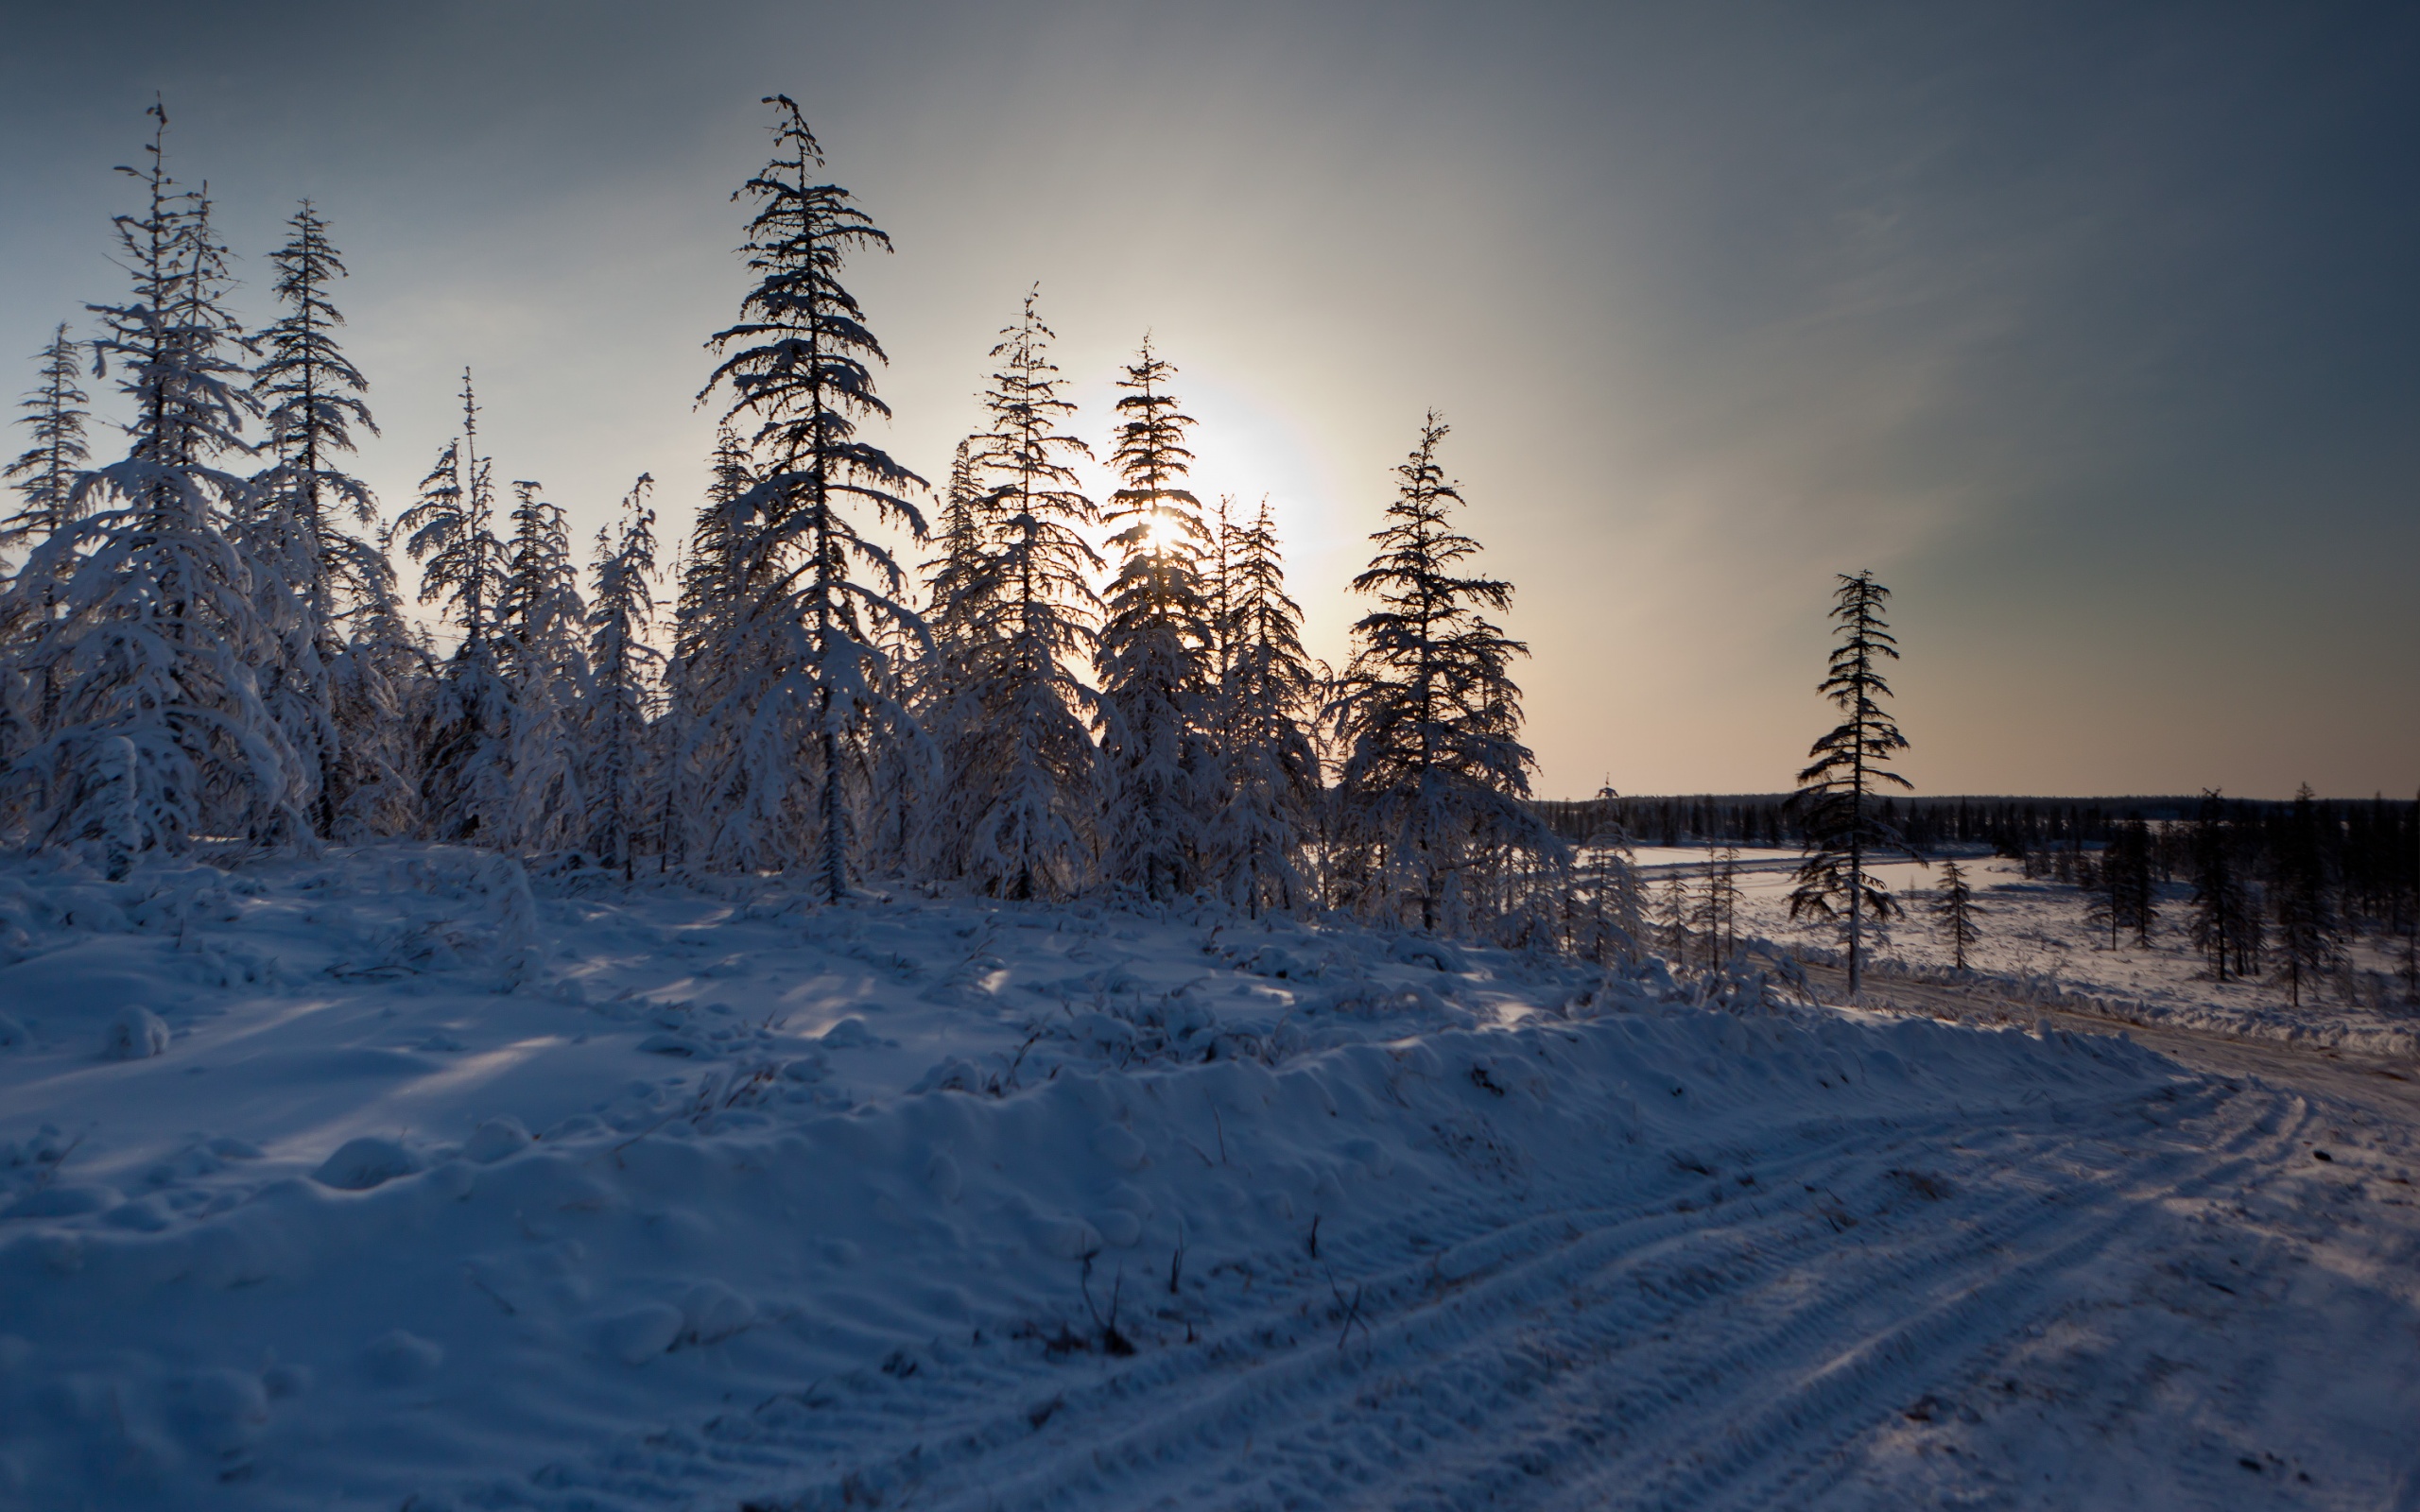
457 1187
2038 947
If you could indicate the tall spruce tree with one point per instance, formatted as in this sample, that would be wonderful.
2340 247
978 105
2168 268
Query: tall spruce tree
1435 781
622 666
43 477
2302 896
306 515
547 674
1152 657
466 771
159 733
1020 808
814 595
1835 803
2224 920
699 675
1268 696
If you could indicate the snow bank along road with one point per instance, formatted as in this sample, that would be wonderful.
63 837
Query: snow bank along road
927 1205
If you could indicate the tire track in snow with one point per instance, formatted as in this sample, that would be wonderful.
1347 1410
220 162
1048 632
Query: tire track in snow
1301 1411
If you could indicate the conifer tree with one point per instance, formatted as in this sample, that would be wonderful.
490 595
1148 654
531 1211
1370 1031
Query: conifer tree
1606 911
158 731
44 475
1155 644
622 662
1269 696
547 676
2303 900
1435 779
301 528
1717 910
1957 909
699 675
1835 801
1021 803
814 595
466 781
2223 921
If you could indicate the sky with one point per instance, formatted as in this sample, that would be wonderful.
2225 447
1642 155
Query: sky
2089 329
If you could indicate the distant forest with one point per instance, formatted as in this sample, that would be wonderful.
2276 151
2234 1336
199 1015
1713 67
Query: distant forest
2370 847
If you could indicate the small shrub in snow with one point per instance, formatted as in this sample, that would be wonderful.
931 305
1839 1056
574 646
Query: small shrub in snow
135 1034
359 1165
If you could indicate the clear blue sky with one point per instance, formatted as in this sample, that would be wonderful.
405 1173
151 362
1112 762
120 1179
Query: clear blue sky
2090 328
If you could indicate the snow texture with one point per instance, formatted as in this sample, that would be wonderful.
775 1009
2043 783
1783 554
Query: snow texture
1035 1206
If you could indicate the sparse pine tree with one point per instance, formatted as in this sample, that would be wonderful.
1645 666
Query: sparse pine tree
623 666
1021 806
1835 802
1672 919
1606 913
809 681
2303 900
1435 781
1155 647
466 769
1956 910
2225 921
1717 907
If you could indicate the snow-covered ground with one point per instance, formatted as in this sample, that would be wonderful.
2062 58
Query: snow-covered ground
2037 944
400 1180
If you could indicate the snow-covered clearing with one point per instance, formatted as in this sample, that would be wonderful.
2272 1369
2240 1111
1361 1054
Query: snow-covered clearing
933 1204
2036 944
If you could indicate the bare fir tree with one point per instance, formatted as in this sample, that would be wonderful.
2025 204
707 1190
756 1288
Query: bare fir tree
2223 917
1836 800
808 677
1956 908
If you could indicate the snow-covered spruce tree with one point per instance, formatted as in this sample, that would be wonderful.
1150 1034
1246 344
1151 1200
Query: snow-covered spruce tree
697 674
1435 779
160 736
1020 798
808 683
466 768
387 695
1604 910
622 667
43 477
1835 803
1269 696
544 646
1153 654
302 527
1957 909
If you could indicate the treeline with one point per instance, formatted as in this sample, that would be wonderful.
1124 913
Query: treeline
204 647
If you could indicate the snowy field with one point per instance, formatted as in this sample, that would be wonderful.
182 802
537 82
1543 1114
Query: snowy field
2036 944
401 1180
